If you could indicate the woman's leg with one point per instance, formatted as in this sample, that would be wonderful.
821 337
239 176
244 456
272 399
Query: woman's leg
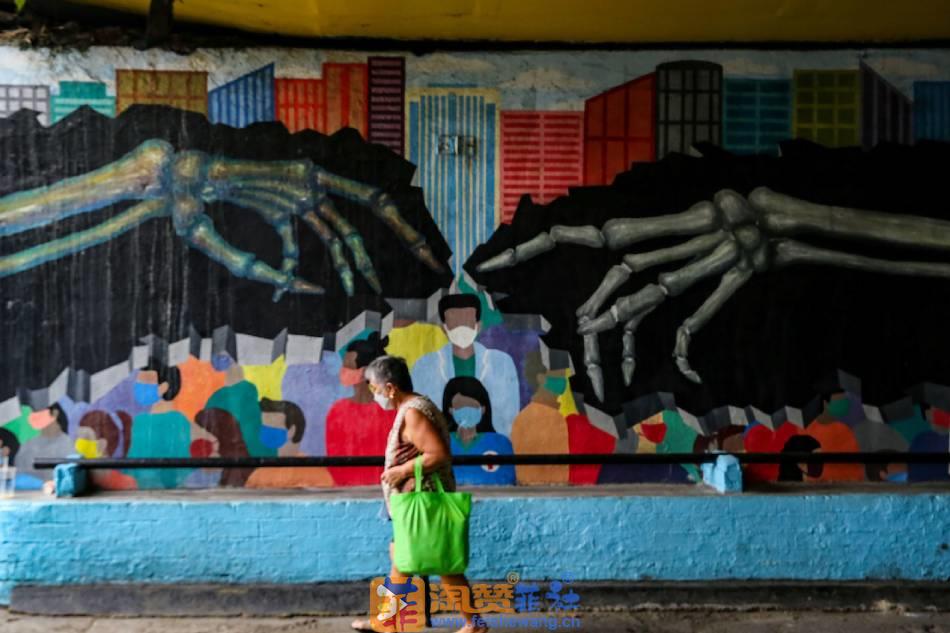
394 573
394 576
473 621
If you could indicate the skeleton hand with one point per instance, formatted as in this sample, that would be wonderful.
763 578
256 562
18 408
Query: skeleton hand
179 185
732 237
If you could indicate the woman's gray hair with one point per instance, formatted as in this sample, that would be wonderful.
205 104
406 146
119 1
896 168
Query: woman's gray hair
390 369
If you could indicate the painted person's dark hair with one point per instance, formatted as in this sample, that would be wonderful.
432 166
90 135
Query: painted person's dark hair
60 416
166 373
293 416
462 300
471 388
11 441
367 349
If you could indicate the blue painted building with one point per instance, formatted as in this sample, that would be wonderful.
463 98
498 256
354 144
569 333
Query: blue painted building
932 110
73 94
245 100
453 140
757 114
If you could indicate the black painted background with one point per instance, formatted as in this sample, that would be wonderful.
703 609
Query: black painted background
775 343
89 309
778 341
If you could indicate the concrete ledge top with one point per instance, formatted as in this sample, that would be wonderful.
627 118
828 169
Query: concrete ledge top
373 493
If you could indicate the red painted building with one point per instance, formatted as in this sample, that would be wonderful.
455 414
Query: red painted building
619 129
541 155
300 103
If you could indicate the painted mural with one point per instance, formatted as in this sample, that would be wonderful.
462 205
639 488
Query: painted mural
585 252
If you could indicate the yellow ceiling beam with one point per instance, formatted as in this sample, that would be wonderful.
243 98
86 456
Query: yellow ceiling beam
629 21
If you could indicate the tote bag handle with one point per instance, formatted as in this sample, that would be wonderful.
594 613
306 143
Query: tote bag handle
417 468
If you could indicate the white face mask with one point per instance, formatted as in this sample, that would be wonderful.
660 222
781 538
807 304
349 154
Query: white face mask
383 401
461 336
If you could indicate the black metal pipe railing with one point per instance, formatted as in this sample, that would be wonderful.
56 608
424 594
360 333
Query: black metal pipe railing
882 457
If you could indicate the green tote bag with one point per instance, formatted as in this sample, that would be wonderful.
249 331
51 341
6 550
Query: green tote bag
430 529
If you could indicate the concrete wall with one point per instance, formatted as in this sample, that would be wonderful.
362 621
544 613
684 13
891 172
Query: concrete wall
480 151
618 536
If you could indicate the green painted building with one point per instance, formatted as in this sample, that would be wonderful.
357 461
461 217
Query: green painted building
73 94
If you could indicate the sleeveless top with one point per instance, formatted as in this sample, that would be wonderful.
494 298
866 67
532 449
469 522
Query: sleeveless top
399 451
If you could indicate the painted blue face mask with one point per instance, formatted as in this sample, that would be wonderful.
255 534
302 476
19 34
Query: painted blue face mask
272 437
467 417
146 394
555 384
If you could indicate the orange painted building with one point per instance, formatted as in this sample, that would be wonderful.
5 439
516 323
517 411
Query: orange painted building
182 89
347 94
338 100
619 129
300 103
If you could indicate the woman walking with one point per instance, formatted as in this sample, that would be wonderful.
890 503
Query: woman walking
418 429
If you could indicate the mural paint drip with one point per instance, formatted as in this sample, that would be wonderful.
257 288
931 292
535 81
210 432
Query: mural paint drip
179 287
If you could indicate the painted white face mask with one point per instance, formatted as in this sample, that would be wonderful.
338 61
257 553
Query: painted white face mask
383 401
461 336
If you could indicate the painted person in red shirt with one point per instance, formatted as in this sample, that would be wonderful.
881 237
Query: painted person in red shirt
357 425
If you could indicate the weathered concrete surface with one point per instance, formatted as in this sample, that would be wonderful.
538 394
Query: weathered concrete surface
643 622
340 598
626 534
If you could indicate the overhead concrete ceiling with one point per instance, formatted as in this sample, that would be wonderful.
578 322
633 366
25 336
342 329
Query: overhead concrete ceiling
592 21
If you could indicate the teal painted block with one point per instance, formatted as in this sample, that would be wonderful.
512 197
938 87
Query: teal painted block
71 480
725 474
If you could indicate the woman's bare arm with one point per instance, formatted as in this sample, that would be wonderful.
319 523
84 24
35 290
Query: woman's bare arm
422 433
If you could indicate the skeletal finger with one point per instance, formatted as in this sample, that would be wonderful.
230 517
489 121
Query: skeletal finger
384 207
669 284
700 245
615 277
724 256
624 308
202 235
277 212
702 217
327 210
618 275
335 246
541 243
592 363
629 363
731 281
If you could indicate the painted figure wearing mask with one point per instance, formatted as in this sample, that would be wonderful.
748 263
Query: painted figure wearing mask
161 431
467 406
464 356
289 423
358 425
101 434
540 428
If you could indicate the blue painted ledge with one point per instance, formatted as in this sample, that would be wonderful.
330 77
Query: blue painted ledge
619 532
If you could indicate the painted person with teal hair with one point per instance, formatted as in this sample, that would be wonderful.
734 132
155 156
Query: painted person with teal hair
163 431
239 397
